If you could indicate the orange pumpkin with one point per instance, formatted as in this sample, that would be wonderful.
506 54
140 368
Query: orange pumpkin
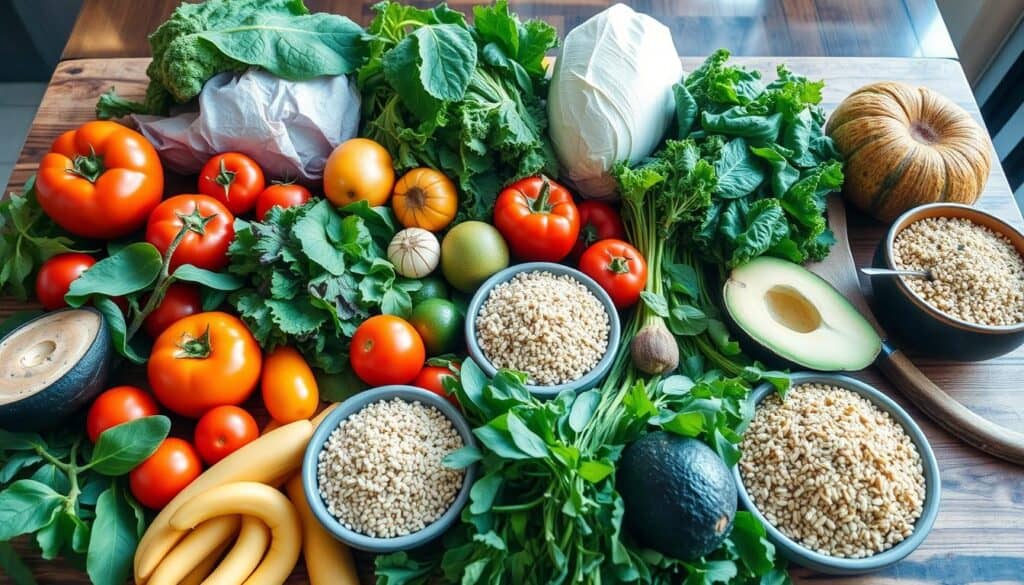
906 146
425 198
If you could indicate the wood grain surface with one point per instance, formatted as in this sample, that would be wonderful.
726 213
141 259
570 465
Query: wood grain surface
882 28
979 534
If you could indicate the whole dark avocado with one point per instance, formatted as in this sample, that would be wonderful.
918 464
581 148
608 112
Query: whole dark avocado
52 366
679 495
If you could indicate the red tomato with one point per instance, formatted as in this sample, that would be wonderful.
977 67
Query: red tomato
211 227
538 219
222 431
598 221
55 277
289 388
432 378
233 179
180 301
619 268
283 195
173 466
386 350
118 405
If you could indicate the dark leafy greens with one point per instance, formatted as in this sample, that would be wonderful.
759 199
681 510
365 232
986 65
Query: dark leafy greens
314 274
462 99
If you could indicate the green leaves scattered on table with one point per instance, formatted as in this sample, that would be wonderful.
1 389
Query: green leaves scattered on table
70 495
313 274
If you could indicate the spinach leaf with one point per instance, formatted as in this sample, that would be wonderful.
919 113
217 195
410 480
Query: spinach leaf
131 269
26 506
109 558
213 280
120 448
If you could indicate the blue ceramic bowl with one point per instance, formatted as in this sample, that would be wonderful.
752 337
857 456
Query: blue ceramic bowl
329 424
591 378
815 561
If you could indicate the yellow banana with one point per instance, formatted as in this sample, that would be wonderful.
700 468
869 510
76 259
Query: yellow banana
204 568
271 456
316 420
251 499
194 549
245 556
328 561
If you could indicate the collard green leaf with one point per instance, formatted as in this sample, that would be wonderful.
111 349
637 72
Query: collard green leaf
737 121
120 448
783 174
133 268
109 558
737 171
26 506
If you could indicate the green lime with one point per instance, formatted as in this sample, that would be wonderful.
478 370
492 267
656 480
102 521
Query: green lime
471 252
432 287
439 323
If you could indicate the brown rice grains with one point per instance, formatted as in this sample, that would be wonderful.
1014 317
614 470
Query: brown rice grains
380 473
978 276
550 327
832 471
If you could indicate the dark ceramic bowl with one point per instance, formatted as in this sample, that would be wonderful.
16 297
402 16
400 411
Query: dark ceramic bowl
922 327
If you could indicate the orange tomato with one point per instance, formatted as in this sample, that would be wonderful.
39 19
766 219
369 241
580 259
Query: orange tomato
359 169
100 181
425 198
170 468
290 392
118 405
222 431
203 361
386 350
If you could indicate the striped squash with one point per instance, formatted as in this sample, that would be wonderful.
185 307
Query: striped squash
906 146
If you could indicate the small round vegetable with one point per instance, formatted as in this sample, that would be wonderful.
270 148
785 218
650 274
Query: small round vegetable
471 252
210 230
425 198
202 361
654 350
173 466
439 323
359 169
415 252
180 301
56 275
117 405
431 287
598 221
222 431
283 195
290 391
538 219
234 179
619 268
386 350
432 378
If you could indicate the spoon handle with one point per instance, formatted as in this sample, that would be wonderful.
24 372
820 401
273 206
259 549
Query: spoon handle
890 272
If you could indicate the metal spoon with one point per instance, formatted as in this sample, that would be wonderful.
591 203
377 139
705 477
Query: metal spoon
888 272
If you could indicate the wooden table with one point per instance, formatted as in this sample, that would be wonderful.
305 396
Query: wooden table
979 535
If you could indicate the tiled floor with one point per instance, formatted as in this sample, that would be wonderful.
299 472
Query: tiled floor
18 103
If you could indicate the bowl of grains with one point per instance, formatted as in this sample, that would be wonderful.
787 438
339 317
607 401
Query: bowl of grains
551 322
971 305
842 478
374 471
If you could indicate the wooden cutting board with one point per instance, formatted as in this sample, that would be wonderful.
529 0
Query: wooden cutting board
979 535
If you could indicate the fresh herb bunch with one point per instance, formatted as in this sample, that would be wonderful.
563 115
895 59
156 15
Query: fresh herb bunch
28 237
69 494
314 274
211 37
545 509
466 100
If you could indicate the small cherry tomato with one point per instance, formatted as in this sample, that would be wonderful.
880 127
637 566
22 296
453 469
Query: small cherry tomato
290 392
233 179
538 219
55 277
222 431
180 301
210 230
386 350
170 468
432 378
283 195
118 405
619 268
598 221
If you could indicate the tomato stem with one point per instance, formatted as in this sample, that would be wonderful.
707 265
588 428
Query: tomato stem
88 167
225 178
619 264
194 347
541 204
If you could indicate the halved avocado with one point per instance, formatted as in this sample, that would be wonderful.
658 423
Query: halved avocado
796 315
52 366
